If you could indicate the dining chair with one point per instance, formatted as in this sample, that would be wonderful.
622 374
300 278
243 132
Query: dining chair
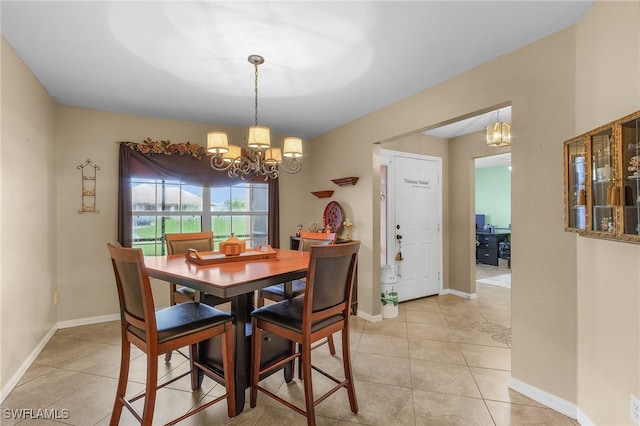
180 243
276 292
324 309
156 333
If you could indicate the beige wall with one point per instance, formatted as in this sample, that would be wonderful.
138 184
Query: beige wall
538 81
85 278
608 282
562 283
462 154
27 214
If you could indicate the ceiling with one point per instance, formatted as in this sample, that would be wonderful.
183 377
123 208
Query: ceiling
498 160
326 63
470 125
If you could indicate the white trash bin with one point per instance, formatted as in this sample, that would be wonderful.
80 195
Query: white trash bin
388 294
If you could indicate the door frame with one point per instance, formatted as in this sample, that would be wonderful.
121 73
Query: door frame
386 156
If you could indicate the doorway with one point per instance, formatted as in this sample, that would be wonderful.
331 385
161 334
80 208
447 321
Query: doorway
412 219
493 220
458 142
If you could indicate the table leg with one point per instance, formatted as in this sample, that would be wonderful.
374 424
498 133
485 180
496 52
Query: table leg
241 306
288 289
288 368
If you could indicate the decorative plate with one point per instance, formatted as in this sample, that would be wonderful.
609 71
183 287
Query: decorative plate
333 217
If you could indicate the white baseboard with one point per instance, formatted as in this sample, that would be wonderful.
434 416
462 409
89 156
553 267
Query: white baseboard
369 317
88 321
583 420
13 381
459 294
554 402
36 351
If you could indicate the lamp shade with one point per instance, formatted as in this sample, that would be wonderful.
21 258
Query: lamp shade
499 134
233 154
292 147
273 155
217 142
259 137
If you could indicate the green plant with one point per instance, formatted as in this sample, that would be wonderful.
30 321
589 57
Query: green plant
389 297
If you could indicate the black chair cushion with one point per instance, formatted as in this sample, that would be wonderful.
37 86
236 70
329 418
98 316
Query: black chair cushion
288 314
184 319
298 287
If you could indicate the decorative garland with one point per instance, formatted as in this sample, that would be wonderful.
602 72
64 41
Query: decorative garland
149 147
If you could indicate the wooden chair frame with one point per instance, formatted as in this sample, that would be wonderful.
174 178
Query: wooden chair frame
304 235
133 258
177 296
305 336
264 293
191 236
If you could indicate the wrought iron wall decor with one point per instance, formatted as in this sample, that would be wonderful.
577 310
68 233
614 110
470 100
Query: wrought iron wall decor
88 187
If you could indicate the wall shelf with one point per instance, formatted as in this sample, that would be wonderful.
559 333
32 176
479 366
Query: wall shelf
345 181
322 194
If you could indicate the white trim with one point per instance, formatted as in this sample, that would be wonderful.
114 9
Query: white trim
461 294
88 321
387 157
17 376
13 381
545 398
583 419
369 317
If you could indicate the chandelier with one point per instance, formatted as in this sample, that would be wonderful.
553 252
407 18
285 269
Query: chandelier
258 158
499 133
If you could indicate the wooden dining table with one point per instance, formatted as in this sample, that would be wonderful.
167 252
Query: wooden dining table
235 281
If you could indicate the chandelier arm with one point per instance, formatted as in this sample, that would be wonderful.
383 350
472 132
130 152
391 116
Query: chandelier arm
294 166
269 170
245 167
218 163
237 169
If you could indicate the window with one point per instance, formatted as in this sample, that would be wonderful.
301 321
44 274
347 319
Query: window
165 206
241 209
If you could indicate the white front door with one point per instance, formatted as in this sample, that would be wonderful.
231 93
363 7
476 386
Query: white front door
414 213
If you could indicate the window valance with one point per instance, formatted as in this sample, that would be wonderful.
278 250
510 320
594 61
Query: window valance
185 162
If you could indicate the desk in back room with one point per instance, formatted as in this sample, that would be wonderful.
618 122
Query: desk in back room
487 246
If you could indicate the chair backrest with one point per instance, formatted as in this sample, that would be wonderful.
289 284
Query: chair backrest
307 239
134 288
181 243
330 279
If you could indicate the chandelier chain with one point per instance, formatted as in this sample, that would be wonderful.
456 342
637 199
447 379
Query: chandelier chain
256 94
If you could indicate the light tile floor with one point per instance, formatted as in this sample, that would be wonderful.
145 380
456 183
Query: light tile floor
443 361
